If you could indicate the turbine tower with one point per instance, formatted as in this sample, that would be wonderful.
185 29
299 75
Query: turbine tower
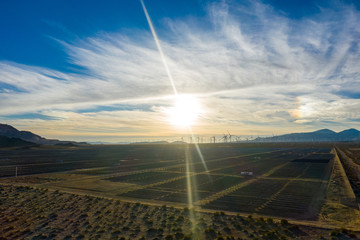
230 136
225 138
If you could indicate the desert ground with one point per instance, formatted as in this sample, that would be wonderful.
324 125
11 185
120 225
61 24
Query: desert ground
170 191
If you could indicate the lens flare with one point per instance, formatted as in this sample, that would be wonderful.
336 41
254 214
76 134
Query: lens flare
159 47
185 111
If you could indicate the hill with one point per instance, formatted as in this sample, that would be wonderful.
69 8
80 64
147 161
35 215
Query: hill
13 142
323 135
11 132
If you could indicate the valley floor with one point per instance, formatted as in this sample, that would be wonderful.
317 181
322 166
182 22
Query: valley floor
33 213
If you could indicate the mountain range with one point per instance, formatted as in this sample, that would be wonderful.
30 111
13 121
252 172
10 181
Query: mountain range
10 136
8 132
323 135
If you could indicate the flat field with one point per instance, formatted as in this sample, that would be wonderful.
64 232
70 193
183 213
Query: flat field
221 184
285 181
33 213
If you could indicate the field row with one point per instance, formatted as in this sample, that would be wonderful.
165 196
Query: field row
280 194
202 186
296 200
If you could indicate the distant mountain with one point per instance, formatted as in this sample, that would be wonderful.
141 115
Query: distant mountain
13 142
100 143
349 135
323 135
155 142
11 132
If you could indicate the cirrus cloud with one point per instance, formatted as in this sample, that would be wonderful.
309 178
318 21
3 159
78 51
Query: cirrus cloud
253 70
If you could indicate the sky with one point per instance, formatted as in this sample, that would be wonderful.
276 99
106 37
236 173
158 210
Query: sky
91 70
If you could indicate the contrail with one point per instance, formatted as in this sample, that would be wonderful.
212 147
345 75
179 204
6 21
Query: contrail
159 48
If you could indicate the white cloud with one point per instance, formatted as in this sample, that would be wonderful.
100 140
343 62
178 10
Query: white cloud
250 65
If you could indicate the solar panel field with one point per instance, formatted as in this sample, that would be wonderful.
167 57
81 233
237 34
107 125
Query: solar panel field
272 180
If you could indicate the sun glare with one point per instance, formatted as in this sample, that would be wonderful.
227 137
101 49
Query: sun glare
185 111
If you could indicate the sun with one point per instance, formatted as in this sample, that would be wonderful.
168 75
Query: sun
185 111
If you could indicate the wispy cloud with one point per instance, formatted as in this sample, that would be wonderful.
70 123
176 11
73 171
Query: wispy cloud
249 64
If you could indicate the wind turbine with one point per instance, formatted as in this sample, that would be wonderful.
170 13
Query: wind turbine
225 137
230 136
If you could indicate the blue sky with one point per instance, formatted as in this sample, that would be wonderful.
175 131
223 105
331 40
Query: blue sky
90 70
30 27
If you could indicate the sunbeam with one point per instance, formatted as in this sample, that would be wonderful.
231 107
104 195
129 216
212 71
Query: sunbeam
187 120
156 39
188 177
199 151
159 48
191 192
